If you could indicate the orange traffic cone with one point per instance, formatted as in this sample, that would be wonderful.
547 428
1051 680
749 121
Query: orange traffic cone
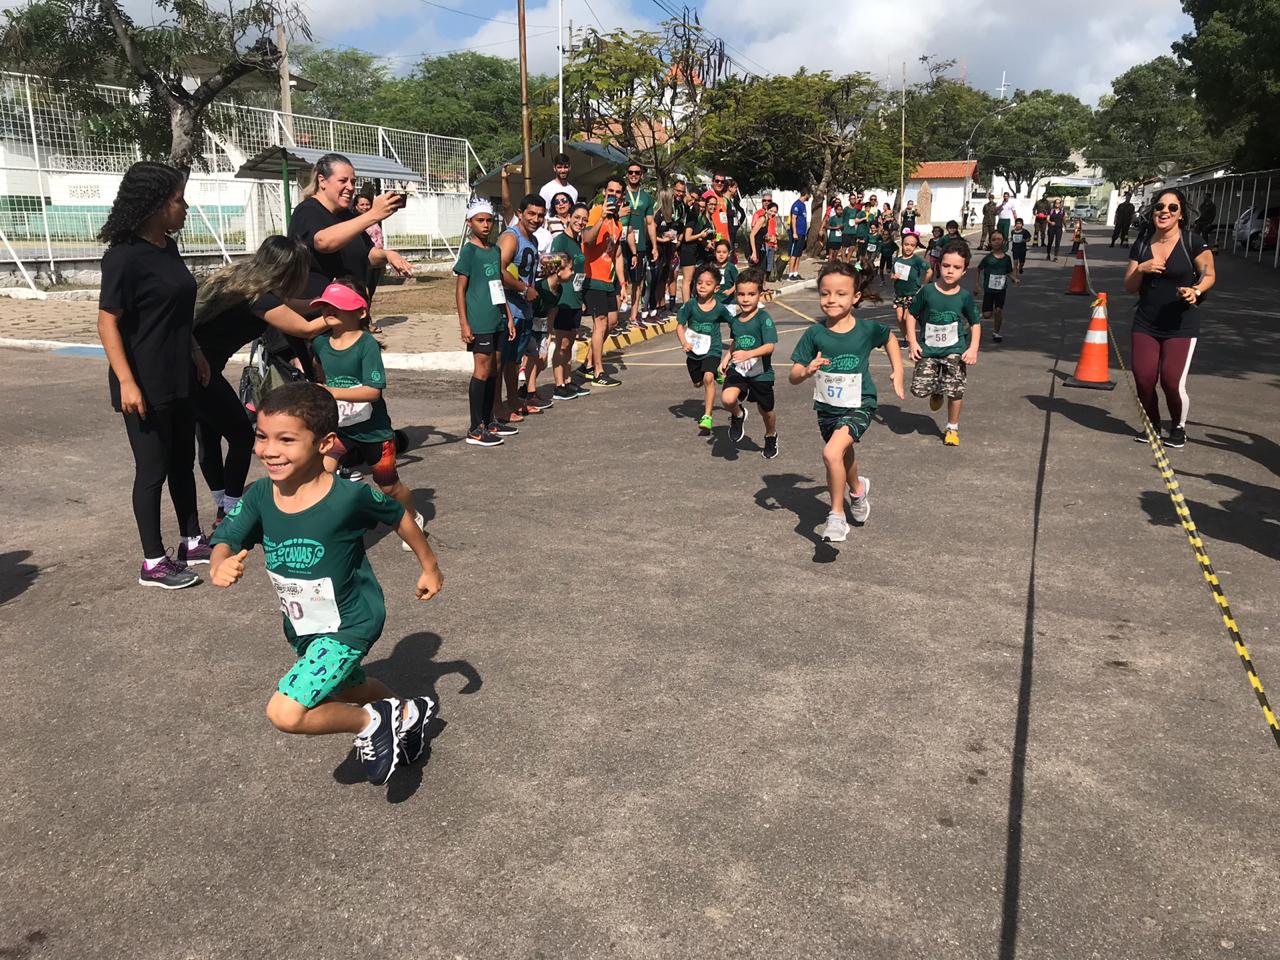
1093 370
1079 279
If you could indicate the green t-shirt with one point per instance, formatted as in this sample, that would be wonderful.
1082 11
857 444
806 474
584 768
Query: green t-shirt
862 231
993 266
950 314
753 333
316 559
835 227
916 267
483 270
849 353
694 318
848 221
888 246
360 365
641 209
571 292
728 280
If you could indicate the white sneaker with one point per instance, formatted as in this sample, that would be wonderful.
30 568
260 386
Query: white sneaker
836 530
422 525
859 507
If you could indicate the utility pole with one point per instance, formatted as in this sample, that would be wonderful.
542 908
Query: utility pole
1004 84
560 73
526 128
902 160
286 91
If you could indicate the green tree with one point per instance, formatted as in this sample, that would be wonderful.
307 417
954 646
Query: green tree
1234 64
1034 138
942 113
1150 124
83 41
349 83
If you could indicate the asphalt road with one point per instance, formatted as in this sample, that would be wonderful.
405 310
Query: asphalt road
1002 720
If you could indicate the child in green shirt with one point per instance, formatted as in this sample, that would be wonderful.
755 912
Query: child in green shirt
698 330
311 526
910 272
748 364
995 271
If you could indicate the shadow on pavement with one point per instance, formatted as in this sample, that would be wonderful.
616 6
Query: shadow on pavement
422 437
424 498
1259 449
905 423
690 409
784 491
1249 519
1094 418
15 576
412 669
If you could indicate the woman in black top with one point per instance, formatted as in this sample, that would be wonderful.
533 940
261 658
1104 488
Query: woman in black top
1170 269
145 311
1057 219
237 305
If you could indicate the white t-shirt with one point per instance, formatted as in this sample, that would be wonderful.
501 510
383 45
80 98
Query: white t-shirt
554 186
1007 212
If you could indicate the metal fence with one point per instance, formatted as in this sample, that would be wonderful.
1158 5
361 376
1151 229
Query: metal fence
1238 213
59 175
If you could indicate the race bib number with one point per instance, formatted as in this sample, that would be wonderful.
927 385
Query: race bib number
838 389
996 281
309 604
732 309
902 271
539 324
578 280
749 368
699 343
635 239
941 334
497 296
872 248
352 413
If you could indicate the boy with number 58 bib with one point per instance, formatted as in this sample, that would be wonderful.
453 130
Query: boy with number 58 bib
836 355
949 321
311 526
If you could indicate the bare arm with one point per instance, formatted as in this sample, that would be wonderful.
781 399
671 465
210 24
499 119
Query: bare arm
460 298
113 345
285 319
334 238
361 394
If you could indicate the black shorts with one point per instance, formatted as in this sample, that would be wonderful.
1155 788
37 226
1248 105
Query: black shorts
489 342
379 456
568 318
833 244
992 298
690 254
849 240
797 246
698 366
759 392
599 303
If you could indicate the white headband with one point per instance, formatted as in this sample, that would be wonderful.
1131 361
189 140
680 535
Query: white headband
479 206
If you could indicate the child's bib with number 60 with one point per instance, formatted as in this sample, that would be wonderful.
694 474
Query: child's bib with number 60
309 604
902 271
995 281
699 343
941 334
838 389
748 368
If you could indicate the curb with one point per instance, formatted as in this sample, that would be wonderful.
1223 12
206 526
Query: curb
623 340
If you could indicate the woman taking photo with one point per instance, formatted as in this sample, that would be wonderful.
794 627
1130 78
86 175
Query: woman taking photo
238 304
1171 269
693 246
145 314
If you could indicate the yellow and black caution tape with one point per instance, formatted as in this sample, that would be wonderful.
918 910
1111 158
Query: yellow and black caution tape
1196 541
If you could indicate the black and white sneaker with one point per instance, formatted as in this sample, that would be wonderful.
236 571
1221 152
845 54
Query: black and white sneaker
566 392
770 447
604 380
378 751
1141 435
413 737
483 438
1177 437
500 429
167 575
579 388
738 426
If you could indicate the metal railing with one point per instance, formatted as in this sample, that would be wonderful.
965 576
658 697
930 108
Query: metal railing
1238 213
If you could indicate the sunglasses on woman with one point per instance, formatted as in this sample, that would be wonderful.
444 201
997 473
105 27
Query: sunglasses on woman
1161 207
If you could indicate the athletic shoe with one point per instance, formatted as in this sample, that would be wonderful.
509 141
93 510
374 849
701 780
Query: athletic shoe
566 392
1177 437
997 338
579 389
378 751
585 372
200 553
218 518
738 426
836 530
859 507
346 473
1141 436
483 438
167 575
719 377
421 521
501 429
412 738
951 438
935 402
604 380
705 422
770 447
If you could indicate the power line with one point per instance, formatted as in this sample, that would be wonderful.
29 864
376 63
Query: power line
677 15
593 15
476 16
429 53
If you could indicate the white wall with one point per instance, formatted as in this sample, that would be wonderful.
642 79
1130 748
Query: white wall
946 204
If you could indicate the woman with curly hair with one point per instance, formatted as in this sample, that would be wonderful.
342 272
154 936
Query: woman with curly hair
145 312
237 305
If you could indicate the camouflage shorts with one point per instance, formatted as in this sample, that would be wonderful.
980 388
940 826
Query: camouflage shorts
944 375
904 301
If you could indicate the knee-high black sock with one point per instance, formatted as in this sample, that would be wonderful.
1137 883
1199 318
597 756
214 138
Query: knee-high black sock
475 399
490 395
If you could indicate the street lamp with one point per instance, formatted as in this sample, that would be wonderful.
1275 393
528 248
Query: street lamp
968 147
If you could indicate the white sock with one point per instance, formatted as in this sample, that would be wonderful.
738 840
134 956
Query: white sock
372 725
229 503
410 715
218 496
954 426
152 564
193 541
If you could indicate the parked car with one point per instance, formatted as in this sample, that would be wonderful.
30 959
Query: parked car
1085 211
1257 227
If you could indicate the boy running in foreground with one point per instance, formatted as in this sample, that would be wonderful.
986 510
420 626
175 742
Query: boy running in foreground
311 526
836 355
749 363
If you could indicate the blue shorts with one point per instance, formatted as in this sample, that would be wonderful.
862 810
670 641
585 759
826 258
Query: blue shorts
797 246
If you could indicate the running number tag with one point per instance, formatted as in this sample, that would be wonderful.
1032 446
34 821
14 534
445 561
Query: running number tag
748 368
635 239
578 280
539 324
699 343
995 281
309 604
497 296
731 309
352 413
838 389
902 271
941 334
872 248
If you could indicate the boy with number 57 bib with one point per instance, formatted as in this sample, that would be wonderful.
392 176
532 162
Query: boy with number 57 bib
836 355
311 526
948 318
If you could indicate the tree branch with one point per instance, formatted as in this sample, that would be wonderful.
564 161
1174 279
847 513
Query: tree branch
146 73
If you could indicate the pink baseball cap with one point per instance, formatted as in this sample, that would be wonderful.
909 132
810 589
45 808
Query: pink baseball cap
342 297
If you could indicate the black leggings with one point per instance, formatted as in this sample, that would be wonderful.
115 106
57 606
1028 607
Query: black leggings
1054 242
659 274
163 449
220 416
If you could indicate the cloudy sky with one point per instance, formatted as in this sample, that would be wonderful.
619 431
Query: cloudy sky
1077 47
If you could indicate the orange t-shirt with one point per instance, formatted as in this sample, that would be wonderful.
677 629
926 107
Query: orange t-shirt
720 217
601 252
